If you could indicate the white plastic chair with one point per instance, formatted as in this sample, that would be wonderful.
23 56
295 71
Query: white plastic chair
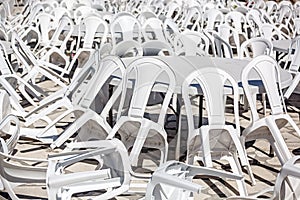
152 29
171 30
15 171
81 12
192 19
63 33
92 111
68 4
110 178
89 29
191 43
232 37
271 32
271 7
126 33
294 66
173 11
9 125
254 19
144 76
254 47
284 14
285 187
238 21
145 15
222 48
11 82
211 19
267 127
216 140
91 25
59 12
111 171
65 98
26 18
31 65
58 45
125 27
174 180
44 23
297 25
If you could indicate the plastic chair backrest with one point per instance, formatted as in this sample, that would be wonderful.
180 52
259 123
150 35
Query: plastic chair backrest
146 75
59 12
84 80
66 27
254 47
294 51
81 12
172 10
223 49
297 24
171 29
68 4
270 32
230 35
268 72
191 43
154 28
212 83
91 25
271 7
285 14
127 26
254 18
211 19
192 19
236 20
109 67
45 24
144 15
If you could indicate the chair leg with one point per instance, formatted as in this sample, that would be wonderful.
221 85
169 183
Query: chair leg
236 168
264 103
271 152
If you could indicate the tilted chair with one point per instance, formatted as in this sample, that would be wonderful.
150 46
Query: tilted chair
64 98
32 66
92 110
111 176
174 180
109 173
267 127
